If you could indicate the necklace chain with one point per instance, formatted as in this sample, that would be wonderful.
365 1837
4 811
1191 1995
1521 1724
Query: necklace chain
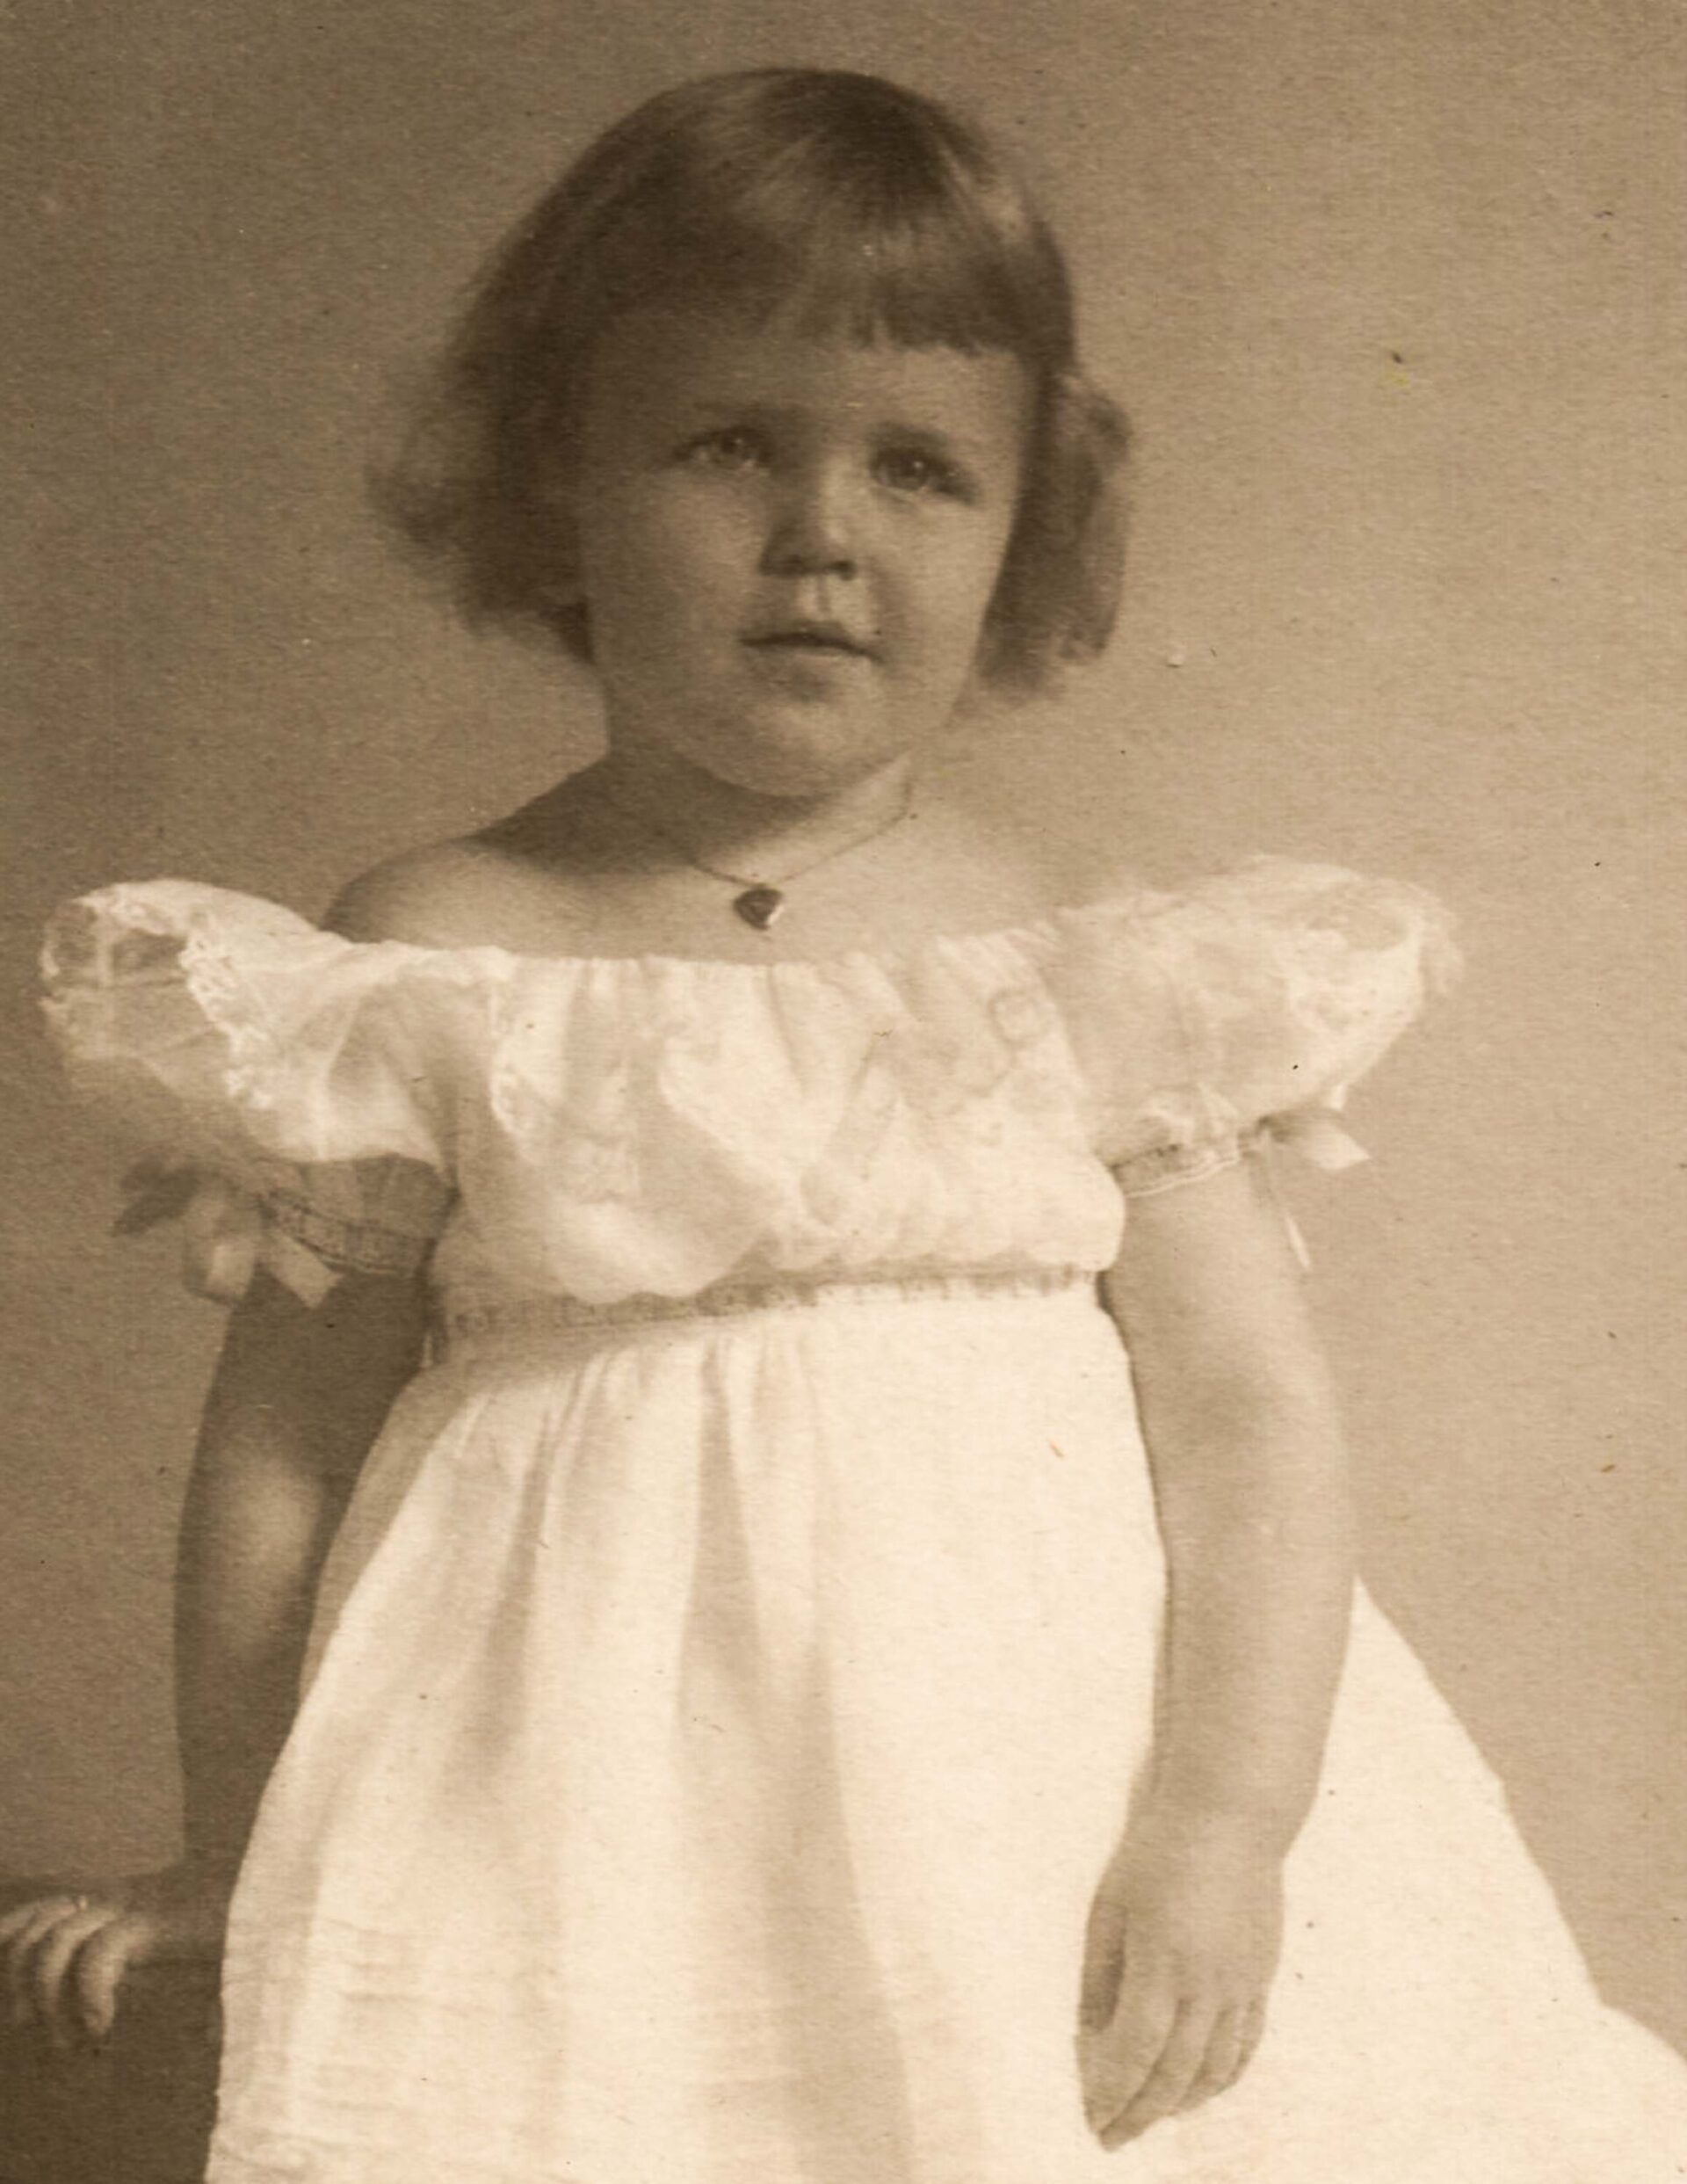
742 880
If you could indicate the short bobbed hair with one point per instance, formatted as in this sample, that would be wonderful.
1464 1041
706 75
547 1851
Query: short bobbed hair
843 204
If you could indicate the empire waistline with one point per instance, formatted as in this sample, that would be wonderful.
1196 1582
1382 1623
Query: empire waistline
519 1320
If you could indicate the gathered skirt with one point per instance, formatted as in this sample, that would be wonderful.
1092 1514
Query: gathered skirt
714 1731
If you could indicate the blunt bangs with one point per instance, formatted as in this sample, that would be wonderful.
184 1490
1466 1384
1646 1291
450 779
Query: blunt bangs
843 205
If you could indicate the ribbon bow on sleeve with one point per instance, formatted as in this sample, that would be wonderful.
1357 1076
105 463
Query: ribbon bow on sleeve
1318 1138
225 1236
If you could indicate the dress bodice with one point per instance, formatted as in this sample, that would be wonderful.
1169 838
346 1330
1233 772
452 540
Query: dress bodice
601 1128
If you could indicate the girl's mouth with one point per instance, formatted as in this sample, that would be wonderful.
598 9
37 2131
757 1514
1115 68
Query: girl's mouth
816 639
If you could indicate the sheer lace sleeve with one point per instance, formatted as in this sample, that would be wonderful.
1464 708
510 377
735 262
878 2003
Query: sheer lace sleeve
290 1093
1246 1009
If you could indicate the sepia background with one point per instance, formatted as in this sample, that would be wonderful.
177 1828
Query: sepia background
1393 294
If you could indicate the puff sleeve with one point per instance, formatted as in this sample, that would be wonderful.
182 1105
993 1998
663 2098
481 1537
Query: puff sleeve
287 1091
1246 1007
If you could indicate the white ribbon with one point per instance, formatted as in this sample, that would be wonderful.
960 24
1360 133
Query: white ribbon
1316 1136
225 1236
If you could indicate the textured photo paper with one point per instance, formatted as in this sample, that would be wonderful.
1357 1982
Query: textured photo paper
1393 306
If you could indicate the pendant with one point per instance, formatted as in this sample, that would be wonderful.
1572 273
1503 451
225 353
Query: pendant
760 906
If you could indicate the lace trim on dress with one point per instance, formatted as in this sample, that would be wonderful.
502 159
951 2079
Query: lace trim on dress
1164 1167
348 1246
649 1125
306 1227
220 1031
126 939
525 1318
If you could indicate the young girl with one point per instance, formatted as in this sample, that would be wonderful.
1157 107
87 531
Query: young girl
698 1671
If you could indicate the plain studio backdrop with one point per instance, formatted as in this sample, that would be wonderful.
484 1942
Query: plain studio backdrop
1393 294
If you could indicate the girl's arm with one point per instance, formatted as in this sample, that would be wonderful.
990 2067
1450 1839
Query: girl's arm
1251 1486
298 1397
1256 1521
300 1394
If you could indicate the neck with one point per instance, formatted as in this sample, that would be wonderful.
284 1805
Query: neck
744 829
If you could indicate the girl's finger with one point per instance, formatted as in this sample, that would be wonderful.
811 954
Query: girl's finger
1252 2031
52 1959
100 1970
37 1921
1161 2093
1102 1956
1119 2058
20 1914
1221 2065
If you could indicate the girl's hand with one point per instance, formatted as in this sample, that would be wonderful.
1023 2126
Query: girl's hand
1183 1940
67 1955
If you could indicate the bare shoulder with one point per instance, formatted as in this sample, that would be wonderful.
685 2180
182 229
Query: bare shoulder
458 894
972 868
529 882
1015 850
422 896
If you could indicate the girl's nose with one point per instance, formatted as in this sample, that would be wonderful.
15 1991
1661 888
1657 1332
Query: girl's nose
815 528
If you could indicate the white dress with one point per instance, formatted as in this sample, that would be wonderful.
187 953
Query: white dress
728 1681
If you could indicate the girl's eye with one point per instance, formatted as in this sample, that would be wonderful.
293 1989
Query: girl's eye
733 447
915 470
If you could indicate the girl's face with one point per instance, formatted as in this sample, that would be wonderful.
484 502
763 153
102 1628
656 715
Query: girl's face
787 545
